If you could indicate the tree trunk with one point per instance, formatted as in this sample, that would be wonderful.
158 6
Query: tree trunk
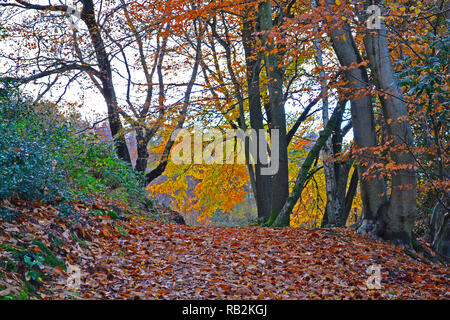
332 208
280 180
440 227
142 151
109 94
373 192
350 195
253 63
304 171
398 221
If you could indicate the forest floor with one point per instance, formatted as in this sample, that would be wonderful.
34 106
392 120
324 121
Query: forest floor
136 257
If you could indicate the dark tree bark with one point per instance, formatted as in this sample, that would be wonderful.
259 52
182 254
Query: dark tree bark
280 180
439 234
108 91
253 65
351 192
373 192
397 222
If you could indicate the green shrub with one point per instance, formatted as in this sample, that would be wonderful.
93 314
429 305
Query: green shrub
29 154
43 158
96 168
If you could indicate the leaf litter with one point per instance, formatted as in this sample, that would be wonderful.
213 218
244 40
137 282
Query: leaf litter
137 257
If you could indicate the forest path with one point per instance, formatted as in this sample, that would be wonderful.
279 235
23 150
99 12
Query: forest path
143 259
